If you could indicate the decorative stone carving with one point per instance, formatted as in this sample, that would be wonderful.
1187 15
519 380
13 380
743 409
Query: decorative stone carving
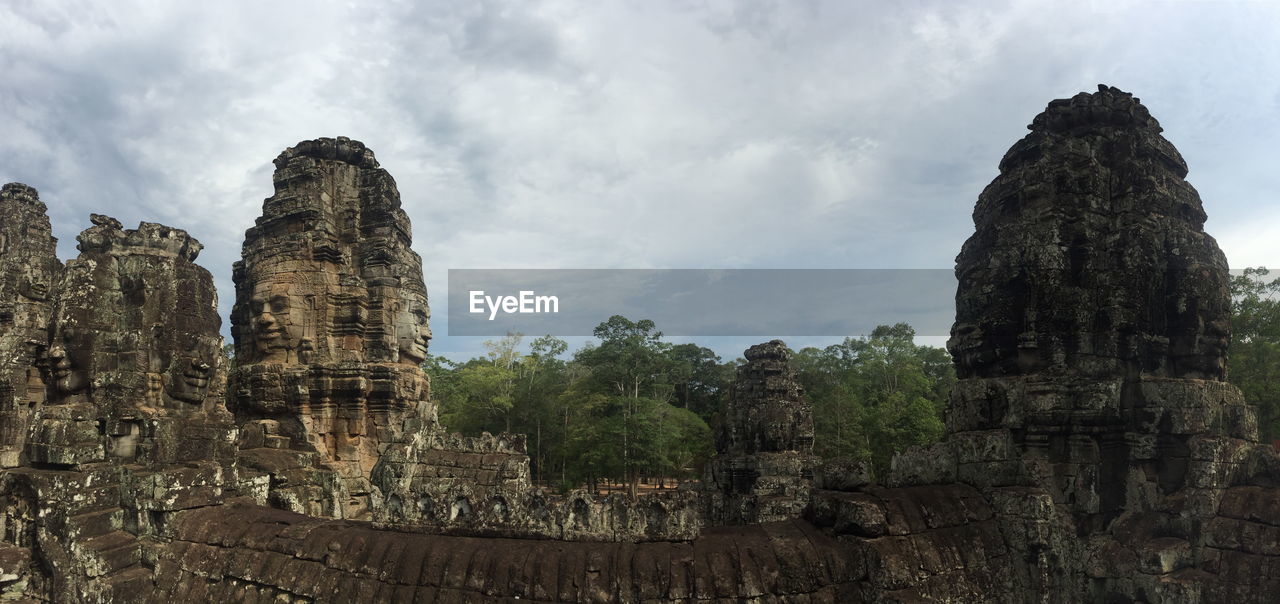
1093 310
1092 413
134 428
1090 256
134 347
331 315
763 470
767 411
29 267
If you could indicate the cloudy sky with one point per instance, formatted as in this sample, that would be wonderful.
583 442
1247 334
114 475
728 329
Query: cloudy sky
788 134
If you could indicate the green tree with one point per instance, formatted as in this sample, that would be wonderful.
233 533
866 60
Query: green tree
630 367
699 380
443 374
543 377
479 395
684 442
629 359
830 378
1255 345
876 395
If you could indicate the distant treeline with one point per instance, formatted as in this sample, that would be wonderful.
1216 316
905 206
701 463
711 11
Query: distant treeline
632 406
1254 356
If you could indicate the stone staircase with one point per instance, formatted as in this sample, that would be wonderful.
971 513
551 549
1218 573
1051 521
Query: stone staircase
99 549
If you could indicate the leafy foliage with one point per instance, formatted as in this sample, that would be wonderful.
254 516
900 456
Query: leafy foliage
631 406
627 407
1255 345
875 395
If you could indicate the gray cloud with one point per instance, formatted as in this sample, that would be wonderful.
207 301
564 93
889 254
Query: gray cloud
604 135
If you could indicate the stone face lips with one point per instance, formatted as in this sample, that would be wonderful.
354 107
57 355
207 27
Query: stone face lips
29 268
1090 256
331 316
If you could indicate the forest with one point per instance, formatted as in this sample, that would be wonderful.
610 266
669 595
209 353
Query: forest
631 408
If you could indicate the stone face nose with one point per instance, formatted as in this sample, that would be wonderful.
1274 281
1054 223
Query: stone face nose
58 358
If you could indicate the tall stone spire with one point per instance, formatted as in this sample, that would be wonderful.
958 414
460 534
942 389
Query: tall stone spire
29 268
1092 316
331 318
1090 256
763 470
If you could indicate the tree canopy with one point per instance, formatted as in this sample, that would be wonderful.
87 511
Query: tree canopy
631 406
624 408
1255 345
875 395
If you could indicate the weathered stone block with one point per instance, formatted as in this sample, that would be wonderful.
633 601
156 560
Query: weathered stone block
934 464
843 474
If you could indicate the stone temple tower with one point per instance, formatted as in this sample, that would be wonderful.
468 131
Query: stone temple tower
29 268
331 318
1093 311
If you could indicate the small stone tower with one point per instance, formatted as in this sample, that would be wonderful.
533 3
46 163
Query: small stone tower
764 467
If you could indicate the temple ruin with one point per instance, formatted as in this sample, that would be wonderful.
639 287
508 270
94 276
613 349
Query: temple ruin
330 325
28 269
1094 449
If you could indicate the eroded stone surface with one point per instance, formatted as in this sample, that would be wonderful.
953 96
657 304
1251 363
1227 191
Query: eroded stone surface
458 485
1090 338
763 471
1090 256
330 324
29 268
246 552
133 427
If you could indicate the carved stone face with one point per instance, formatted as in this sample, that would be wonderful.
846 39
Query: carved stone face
269 310
413 332
34 287
191 370
69 361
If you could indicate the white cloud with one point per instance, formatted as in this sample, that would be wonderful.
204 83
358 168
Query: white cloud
581 134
